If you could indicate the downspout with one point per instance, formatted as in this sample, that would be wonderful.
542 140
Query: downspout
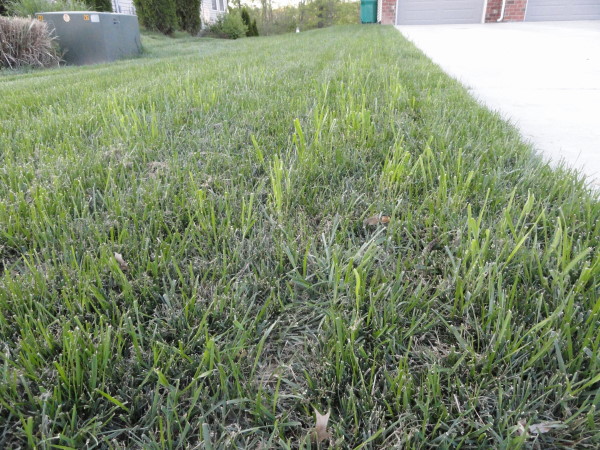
502 12
484 11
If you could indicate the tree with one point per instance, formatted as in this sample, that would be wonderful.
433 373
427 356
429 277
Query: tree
253 28
248 22
246 19
267 10
157 15
188 15
306 15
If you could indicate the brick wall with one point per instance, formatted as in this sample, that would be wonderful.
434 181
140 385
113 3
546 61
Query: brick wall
388 12
513 12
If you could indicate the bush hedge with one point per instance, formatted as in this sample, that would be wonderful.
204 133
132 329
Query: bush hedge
26 42
252 29
157 15
101 5
233 26
229 25
188 15
245 15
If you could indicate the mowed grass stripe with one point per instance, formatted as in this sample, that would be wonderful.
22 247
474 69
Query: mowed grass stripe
234 178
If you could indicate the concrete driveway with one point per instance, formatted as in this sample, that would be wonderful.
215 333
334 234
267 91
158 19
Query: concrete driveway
543 76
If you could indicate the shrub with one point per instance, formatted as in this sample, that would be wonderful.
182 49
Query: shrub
245 15
231 25
216 28
27 8
253 28
3 11
188 15
157 15
101 5
26 42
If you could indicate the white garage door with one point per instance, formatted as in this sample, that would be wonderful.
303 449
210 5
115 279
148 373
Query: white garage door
429 12
562 10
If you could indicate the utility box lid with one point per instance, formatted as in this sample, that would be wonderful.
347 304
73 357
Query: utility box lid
89 37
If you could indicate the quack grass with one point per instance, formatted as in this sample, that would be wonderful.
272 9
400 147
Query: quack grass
233 179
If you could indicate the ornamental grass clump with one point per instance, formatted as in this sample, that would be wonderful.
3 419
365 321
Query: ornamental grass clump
26 42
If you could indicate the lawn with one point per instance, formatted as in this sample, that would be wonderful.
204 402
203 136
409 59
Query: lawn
233 180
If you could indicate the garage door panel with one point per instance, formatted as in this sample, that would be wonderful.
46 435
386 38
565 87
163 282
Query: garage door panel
539 10
423 12
425 7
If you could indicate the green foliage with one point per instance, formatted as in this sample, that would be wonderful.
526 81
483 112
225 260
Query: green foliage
325 13
230 25
101 5
188 15
157 15
250 24
253 29
281 20
26 42
245 16
308 15
27 8
3 10
233 26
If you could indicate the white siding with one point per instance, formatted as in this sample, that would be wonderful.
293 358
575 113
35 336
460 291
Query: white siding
211 10
123 6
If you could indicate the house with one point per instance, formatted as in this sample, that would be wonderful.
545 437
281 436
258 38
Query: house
428 12
210 10
123 6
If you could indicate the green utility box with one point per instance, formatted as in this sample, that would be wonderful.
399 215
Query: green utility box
368 11
89 37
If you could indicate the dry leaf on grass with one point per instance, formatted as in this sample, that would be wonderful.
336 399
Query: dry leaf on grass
521 427
320 432
376 220
157 165
544 427
537 428
122 264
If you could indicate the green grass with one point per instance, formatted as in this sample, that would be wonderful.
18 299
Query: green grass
234 178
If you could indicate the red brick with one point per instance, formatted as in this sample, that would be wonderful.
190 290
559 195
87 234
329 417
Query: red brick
514 10
388 12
